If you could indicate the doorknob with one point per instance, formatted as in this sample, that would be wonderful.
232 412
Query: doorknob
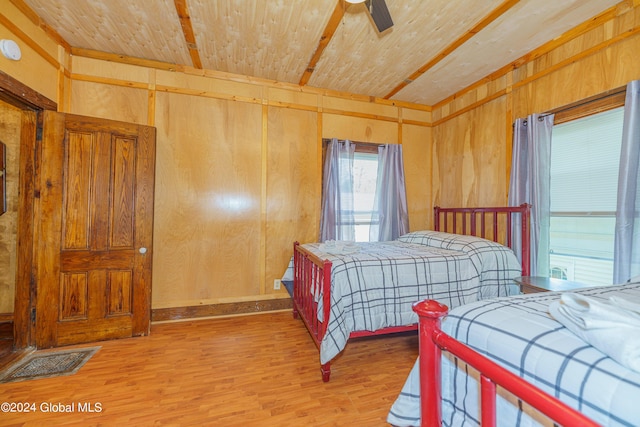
142 250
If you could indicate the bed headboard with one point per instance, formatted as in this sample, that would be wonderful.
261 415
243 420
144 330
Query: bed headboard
508 225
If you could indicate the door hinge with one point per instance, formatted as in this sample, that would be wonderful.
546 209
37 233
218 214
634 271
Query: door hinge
33 315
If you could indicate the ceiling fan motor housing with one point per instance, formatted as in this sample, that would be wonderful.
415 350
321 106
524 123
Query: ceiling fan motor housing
379 12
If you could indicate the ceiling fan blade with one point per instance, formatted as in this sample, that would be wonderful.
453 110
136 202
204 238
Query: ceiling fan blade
380 14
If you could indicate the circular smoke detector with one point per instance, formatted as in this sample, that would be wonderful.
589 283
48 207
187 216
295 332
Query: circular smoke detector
10 50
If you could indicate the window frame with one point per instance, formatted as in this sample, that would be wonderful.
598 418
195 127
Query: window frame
600 103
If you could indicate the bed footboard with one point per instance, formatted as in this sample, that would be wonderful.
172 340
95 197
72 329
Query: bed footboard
312 281
433 340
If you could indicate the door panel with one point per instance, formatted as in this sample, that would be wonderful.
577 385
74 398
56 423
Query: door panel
95 213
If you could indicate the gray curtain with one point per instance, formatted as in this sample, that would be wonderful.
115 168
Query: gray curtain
391 218
337 219
530 183
626 258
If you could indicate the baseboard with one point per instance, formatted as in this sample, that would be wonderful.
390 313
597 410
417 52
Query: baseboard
213 310
6 317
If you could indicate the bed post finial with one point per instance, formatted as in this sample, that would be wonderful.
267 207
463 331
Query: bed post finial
430 309
430 312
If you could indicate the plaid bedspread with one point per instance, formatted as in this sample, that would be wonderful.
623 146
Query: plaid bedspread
495 264
376 286
519 334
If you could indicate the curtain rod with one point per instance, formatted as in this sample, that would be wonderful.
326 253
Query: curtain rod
604 95
342 141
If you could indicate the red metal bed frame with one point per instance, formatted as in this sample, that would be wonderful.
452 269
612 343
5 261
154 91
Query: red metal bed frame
312 274
433 340
465 221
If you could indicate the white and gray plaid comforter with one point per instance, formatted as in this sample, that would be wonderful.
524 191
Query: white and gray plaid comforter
376 286
519 334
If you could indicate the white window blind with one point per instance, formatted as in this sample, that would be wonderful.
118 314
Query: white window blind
585 157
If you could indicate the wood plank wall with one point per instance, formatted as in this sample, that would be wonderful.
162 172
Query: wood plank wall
239 170
228 205
472 130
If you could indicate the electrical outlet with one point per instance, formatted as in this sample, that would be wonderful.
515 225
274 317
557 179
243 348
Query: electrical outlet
276 284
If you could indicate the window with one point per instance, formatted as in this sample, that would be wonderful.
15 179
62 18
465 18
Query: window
365 176
363 193
585 157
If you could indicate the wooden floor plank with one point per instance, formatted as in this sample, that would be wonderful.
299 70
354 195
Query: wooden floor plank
259 370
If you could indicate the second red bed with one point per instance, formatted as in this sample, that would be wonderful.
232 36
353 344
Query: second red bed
347 290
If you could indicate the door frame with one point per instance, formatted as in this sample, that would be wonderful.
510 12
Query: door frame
32 103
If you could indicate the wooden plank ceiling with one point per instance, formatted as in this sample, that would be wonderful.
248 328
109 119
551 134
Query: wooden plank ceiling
435 48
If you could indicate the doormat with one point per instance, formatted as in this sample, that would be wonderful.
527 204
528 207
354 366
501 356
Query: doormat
47 364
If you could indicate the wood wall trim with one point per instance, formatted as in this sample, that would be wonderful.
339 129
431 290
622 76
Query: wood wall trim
19 95
263 198
417 123
122 59
360 115
109 81
250 100
151 98
216 310
292 106
208 94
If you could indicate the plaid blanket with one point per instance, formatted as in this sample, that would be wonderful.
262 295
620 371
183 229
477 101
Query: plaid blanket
376 286
495 264
519 334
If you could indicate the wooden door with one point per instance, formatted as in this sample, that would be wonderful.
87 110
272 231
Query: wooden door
93 220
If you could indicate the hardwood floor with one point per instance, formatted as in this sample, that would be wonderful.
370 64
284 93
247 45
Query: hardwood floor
260 370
